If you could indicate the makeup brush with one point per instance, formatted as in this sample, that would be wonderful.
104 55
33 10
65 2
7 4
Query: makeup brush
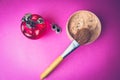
80 34
81 38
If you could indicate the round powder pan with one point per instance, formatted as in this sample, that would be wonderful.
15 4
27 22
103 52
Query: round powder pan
83 19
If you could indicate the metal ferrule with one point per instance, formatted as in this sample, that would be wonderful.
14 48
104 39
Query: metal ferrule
71 48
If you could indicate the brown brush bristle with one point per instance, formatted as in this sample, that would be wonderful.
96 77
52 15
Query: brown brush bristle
82 36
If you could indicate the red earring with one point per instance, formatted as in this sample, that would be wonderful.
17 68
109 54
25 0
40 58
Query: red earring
33 26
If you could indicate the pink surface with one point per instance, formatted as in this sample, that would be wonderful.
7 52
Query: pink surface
25 59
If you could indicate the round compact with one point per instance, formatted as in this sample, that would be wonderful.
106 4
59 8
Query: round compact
81 23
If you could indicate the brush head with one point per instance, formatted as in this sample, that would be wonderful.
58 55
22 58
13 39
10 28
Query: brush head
82 36
84 27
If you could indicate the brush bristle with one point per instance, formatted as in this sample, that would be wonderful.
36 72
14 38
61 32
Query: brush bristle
82 36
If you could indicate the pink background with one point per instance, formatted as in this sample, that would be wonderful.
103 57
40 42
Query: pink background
25 59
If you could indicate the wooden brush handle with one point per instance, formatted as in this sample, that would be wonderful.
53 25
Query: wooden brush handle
51 67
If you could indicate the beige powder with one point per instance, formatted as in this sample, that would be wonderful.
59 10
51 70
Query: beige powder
84 21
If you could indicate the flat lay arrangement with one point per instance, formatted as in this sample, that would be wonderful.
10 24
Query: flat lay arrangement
83 27
59 40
